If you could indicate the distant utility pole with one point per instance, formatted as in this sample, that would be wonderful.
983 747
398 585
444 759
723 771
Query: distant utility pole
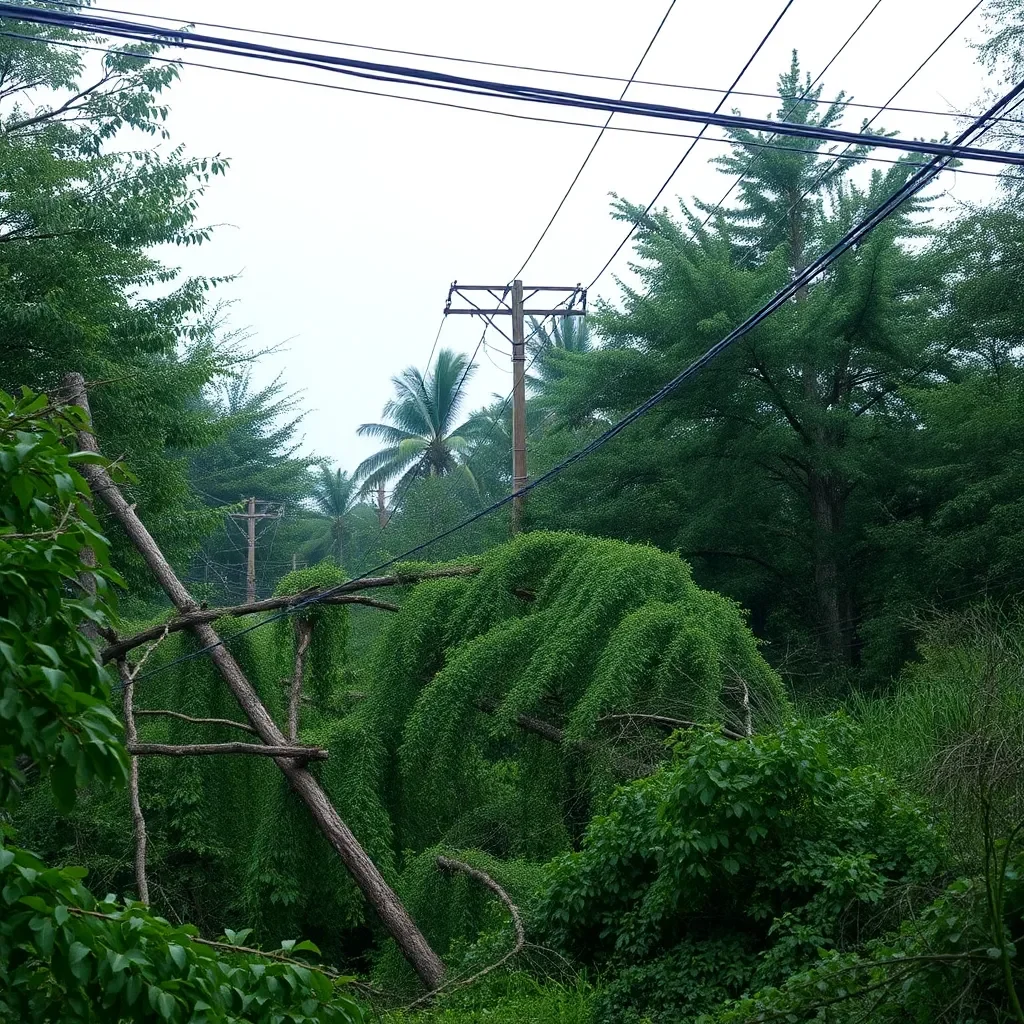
511 302
251 515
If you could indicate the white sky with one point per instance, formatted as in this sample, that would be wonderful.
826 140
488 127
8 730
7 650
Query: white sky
348 216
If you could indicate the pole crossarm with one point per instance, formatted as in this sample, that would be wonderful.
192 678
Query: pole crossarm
460 303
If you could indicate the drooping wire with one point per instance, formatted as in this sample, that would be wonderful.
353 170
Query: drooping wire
460 106
594 144
693 144
478 87
914 184
495 64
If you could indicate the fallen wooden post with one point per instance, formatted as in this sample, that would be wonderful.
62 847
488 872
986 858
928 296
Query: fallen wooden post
379 894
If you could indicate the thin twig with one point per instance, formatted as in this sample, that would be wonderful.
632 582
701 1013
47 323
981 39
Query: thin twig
196 721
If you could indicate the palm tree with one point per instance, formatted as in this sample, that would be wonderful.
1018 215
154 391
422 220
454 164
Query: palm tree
420 436
566 334
334 494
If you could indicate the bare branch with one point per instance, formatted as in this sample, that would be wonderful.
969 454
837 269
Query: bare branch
138 820
197 749
196 721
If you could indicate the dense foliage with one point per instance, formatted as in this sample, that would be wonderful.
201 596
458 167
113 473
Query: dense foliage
64 954
735 724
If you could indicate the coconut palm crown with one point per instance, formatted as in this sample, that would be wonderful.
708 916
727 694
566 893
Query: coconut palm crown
419 433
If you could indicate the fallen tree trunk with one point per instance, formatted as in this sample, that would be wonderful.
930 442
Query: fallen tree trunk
396 920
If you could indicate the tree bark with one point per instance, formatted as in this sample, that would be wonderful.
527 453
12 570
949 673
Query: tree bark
378 893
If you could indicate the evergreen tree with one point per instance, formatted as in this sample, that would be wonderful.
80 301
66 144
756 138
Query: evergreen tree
766 466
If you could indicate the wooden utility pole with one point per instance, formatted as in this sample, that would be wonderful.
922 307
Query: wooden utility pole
518 406
512 302
251 515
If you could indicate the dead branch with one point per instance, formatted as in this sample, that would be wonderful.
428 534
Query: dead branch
449 864
201 749
138 820
671 723
335 595
303 636
196 721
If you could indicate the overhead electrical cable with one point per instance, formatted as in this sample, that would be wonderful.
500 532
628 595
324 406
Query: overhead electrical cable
479 87
594 144
914 184
689 149
495 64
461 106
949 35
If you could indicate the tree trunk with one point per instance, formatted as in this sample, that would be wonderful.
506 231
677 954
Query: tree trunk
376 890
826 494
827 514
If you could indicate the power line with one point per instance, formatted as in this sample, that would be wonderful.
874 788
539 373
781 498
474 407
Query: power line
484 88
479 110
690 148
600 135
911 187
945 39
485 110
496 64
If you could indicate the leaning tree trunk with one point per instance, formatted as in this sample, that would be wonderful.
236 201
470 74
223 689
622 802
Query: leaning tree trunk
376 890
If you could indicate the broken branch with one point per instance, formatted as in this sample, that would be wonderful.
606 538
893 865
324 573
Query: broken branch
193 749
449 864
334 595
672 723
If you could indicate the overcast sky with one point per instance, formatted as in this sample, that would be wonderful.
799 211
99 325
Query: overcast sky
348 216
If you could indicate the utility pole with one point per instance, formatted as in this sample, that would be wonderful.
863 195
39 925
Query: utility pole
382 508
251 515
511 302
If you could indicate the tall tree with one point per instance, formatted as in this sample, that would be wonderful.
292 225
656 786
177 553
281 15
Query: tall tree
766 465
82 208
421 433
335 496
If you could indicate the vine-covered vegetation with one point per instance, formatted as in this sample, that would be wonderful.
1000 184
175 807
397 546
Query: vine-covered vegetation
730 733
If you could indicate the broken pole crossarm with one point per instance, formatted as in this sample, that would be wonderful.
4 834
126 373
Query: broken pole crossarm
342 594
203 749
379 894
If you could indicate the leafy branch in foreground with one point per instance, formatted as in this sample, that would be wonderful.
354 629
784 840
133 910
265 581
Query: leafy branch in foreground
64 955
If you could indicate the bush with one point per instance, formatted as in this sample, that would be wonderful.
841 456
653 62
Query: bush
752 854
